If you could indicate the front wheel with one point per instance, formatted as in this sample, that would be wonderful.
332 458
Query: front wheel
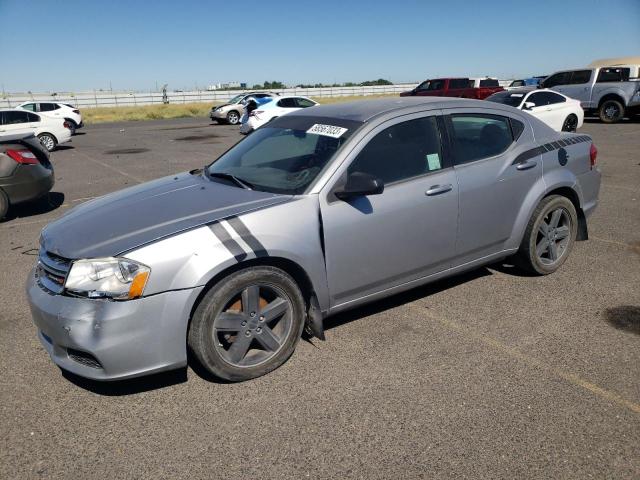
611 111
48 141
248 324
570 123
233 117
549 236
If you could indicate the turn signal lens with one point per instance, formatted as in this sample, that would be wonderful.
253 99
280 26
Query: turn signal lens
138 284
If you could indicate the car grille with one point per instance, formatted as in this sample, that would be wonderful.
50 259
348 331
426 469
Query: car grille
52 271
84 358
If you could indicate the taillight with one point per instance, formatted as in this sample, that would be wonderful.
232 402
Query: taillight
25 157
67 125
76 112
593 154
255 113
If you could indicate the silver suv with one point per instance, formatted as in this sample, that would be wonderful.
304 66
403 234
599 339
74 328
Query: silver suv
319 211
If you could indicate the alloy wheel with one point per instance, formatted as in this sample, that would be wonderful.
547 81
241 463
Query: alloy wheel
554 235
253 326
47 142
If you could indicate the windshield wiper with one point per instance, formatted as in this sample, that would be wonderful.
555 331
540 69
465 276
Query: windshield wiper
238 181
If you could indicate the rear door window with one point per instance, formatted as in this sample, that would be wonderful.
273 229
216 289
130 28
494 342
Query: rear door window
477 136
579 77
545 98
32 117
402 151
14 117
304 103
455 83
47 107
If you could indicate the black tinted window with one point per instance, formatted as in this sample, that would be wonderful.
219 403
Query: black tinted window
32 117
401 151
14 117
545 98
517 127
47 107
288 103
489 82
580 76
477 136
613 75
513 99
458 83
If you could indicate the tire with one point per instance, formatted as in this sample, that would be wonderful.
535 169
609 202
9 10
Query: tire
4 204
233 117
570 123
48 141
229 335
535 254
73 124
611 111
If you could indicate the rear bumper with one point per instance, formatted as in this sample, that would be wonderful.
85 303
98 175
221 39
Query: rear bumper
29 182
120 339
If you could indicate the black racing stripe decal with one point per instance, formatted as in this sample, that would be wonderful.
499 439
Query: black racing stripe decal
246 235
549 147
230 244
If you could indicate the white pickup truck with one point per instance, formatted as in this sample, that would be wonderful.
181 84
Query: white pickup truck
607 91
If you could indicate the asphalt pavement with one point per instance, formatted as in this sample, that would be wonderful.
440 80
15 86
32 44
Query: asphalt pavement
491 374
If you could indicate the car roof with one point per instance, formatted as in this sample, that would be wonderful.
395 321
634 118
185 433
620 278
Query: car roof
365 110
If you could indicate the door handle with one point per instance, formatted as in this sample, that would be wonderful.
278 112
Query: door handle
438 189
526 165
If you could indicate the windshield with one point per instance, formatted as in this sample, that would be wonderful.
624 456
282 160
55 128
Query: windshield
236 99
507 98
284 157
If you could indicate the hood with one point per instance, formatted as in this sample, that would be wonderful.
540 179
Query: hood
124 220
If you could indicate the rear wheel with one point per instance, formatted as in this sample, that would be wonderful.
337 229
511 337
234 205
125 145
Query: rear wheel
549 236
72 125
611 111
48 141
4 204
248 324
570 123
233 117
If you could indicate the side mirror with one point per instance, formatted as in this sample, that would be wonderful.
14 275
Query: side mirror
359 184
528 105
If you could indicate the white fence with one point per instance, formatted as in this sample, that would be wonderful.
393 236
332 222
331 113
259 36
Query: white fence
129 99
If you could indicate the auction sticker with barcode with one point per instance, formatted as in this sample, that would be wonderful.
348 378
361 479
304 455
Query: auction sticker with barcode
327 130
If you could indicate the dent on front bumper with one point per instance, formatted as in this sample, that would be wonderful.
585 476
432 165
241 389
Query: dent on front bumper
128 339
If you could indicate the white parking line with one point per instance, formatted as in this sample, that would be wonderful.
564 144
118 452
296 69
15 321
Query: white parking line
110 167
572 378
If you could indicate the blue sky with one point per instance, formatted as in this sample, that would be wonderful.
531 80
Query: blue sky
81 45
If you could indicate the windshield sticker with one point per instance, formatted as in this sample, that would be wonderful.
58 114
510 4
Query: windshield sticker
327 130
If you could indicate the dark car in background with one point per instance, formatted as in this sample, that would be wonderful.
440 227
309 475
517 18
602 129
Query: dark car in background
26 173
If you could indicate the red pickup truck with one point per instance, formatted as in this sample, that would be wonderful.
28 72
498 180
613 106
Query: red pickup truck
455 87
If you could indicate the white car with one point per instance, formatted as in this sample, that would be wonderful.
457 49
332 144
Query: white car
51 131
275 108
556 110
56 110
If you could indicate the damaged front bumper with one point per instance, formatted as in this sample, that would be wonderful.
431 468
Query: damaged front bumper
110 340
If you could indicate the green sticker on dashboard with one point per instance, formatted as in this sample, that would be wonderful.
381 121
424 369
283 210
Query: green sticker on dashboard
433 160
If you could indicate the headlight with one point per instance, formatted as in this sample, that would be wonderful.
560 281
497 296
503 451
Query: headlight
117 278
